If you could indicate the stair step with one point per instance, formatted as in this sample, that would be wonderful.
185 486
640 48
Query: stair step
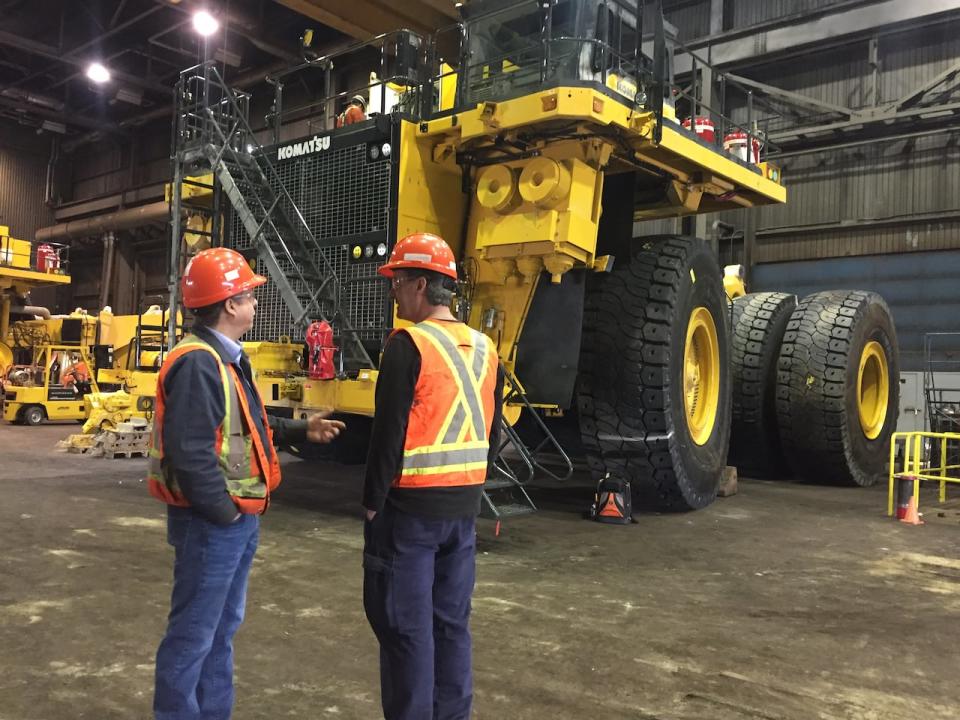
309 277
239 159
512 509
499 483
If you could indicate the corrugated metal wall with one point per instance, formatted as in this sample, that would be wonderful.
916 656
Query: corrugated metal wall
920 288
884 197
692 19
751 12
23 172
139 276
842 76
108 167
901 196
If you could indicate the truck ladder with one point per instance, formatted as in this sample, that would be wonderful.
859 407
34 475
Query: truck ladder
213 134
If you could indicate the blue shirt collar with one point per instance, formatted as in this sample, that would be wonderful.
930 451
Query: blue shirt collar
232 348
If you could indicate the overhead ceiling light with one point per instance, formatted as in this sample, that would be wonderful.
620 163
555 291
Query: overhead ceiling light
205 23
98 73
53 126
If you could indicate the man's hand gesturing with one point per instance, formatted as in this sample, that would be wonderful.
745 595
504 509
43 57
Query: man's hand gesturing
321 430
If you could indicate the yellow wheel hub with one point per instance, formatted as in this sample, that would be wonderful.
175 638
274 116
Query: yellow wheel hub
701 375
873 389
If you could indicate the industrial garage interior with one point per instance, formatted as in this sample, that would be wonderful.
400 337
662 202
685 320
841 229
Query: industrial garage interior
714 245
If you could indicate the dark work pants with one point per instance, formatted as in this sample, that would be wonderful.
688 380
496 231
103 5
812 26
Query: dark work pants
417 583
194 676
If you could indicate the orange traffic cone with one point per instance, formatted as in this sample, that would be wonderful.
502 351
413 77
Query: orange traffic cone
912 516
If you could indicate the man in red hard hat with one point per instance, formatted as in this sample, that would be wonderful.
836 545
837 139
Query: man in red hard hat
212 460
435 432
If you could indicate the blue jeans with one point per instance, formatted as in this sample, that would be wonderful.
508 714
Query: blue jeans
194 676
417 583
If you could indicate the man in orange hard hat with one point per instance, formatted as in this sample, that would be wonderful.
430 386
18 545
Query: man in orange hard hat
435 432
213 462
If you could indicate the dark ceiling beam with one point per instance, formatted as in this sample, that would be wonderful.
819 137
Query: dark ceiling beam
110 58
239 82
234 17
28 96
268 47
362 19
444 7
347 27
117 13
69 118
50 52
249 79
239 23
92 15
70 56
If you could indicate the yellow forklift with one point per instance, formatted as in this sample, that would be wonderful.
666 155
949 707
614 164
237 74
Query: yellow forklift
52 387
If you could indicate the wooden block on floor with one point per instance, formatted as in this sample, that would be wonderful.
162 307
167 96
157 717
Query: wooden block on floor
728 482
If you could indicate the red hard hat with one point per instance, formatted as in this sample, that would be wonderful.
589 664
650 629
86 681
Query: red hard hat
216 274
421 251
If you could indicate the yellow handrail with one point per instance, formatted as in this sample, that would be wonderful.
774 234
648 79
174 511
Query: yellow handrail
913 468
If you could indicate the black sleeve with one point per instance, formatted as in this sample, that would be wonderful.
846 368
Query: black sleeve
287 430
497 418
399 370
193 410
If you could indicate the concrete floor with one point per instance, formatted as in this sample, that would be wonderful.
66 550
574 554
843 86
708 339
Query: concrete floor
783 602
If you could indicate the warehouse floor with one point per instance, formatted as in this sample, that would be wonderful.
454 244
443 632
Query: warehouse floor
782 602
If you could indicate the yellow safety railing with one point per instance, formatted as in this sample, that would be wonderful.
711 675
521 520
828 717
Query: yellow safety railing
909 462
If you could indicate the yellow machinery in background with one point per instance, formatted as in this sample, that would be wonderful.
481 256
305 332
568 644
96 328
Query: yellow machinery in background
53 387
24 267
138 344
121 357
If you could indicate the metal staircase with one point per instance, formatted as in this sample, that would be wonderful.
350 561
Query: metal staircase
504 492
212 134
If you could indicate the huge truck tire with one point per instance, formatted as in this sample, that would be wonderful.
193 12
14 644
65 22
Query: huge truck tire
654 384
838 388
759 322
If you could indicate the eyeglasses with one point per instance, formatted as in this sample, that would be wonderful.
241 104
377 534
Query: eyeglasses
397 280
249 295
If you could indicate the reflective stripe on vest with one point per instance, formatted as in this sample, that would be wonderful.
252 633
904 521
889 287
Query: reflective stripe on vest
447 441
250 471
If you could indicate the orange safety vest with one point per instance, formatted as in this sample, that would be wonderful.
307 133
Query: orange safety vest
448 432
250 470
77 373
353 114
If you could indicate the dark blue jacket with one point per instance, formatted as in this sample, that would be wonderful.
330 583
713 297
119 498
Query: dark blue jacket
193 410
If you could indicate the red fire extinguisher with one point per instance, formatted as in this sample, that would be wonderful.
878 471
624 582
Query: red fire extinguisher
48 260
321 347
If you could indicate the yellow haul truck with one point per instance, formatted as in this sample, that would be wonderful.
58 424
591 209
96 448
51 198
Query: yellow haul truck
532 136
